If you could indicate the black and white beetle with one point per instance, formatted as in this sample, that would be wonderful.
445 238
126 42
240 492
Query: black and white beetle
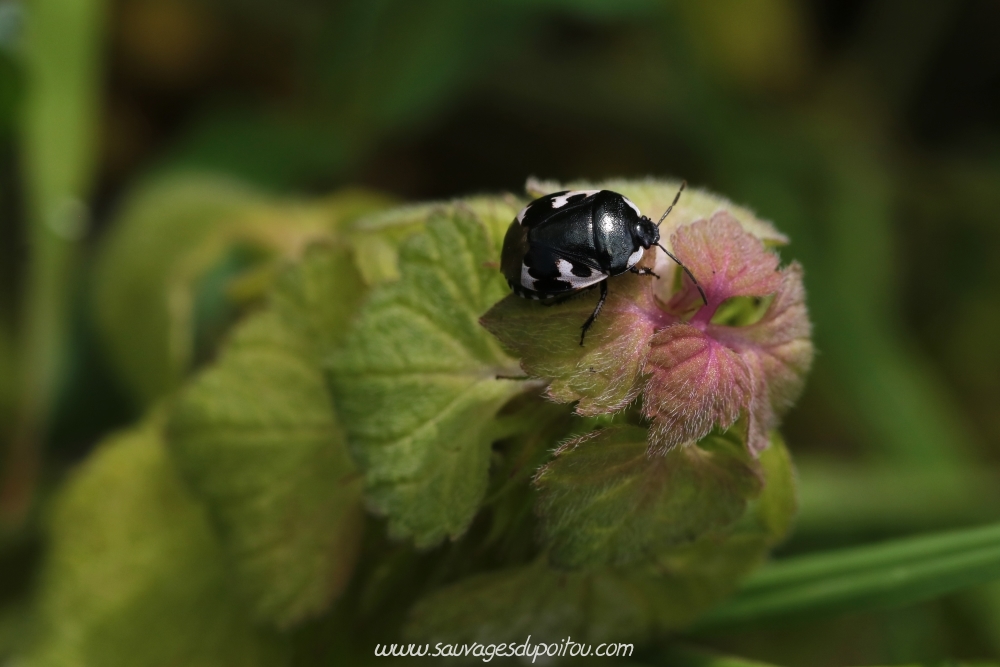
564 242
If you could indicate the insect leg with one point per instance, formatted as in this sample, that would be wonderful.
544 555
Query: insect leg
644 272
597 310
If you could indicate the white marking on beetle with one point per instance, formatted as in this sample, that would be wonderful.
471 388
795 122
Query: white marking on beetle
562 200
520 216
527 281
634 258
634 207
577 282
566 269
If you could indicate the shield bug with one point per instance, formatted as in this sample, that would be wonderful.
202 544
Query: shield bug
567 241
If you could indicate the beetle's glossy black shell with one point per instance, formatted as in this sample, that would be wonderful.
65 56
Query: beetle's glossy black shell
569 240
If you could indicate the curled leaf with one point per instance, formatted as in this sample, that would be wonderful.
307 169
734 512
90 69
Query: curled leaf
703 375
185 257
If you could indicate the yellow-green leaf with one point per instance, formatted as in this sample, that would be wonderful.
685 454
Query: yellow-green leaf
416 381
257 438
134 576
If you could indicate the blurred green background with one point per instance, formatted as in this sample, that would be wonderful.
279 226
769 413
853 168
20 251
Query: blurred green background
868 131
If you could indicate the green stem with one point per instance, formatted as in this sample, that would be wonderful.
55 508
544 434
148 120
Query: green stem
62 61
878 576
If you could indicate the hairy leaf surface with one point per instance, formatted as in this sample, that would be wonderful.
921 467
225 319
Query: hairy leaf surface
630 603
416 381
605 501
603 374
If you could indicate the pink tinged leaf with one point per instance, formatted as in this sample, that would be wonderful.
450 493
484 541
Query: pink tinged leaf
603 375
778 351
727 262
694 384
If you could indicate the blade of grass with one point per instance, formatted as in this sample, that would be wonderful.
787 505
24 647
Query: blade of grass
879 576
841 502
62 49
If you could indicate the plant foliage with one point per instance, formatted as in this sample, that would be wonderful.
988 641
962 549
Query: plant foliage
382 441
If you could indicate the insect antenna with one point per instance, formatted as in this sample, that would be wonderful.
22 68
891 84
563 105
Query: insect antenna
672 204
669 254
687 271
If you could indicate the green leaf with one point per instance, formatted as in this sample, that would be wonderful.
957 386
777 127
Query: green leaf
695 577
257 438
175 264
776 508
871 577
632 604
605 501
627 604
415 382
376 238
134 575
496 213
140 284
537 601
